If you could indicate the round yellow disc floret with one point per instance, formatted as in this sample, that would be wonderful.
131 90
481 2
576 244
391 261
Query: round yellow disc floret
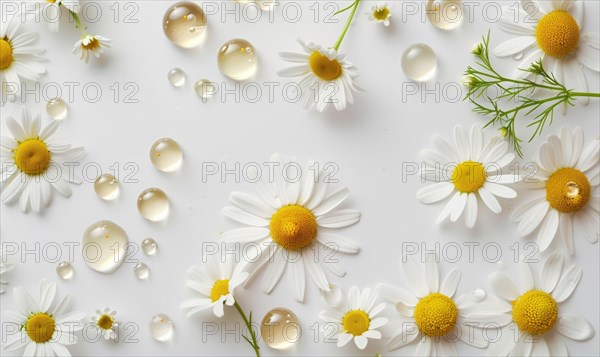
293 227
535 312
105 322
32 156
568 190
6 54
557 34
323 67
220 288
40 327
468 176
356 322
436 314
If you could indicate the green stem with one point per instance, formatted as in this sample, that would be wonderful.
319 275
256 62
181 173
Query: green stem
78 23
337 44
585 94
254 343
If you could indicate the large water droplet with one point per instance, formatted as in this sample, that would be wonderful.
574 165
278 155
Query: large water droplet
280 328
104 246
57 109
205 89
445 14
166 155
419 62
184 24
153 204
161 327
237 59
106 187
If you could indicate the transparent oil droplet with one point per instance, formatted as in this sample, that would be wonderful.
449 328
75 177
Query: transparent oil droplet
141 271
106 187
104 246
166 155
149 246
184 24
57 109
445 14
237 59
205 89
176 77
161 327
419 62
65 270
280 329
153 204
571 190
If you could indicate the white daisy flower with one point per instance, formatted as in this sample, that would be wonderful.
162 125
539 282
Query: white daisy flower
50 10
94 44
356 318
105 323
568 196
380 13
326 77
216 282
5 267
33 162
556 35
45 330
528 316
290 223
436 320
18 59
470 170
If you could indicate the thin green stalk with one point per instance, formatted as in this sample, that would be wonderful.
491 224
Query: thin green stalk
78 23
585 94
337 44
248 322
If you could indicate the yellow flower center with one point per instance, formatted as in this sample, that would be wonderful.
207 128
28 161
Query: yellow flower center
436 314
32 156
381 14
51 1
557 33
293 227
220 288
105 322
323 67
356 322
568 190
6 54
92 44
468 176
535 312
40 327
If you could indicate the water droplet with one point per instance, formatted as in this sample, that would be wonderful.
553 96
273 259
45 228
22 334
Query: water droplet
65 270
237 59
280 328
106 187
161 327
57 109
176 77
571 189
104 246
445 14
166 155
419 62
153 204
149 246
478 295
518 56
205 89
141 271
178 21
333 297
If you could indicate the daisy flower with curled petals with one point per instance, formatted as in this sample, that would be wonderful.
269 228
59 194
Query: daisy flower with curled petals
5 267
44 330
105 323
90 45
380 13
436 319
556 35
289 223
529 316
33 162
50 10
356 318
568 198
18 59
470 170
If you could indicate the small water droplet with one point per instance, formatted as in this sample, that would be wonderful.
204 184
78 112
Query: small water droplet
333 297
419 62
141 271
106 187
518 56
205 89
280 328
161 327
571 189
237 59
176 77
153 204
104 246
179 19
445 14
65 270
166 155
479 295
57 109
149 246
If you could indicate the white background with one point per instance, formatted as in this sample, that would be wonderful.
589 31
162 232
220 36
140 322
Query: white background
369 141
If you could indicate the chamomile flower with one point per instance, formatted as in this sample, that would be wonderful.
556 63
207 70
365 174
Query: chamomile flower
436 319
326 78
568 197
106 323
91 44
529 314
33 162
290 223
556 35
18 59
216 281
470 170
46 327
380 13
50 10
5 267
356 318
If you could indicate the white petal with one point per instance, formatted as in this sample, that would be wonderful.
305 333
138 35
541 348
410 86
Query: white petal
532 219
556 347
338 243
407 334
343 339
314 269
450 283
548 230
574 327
361 342
459 207
523 346
424 348
589 156
540 347
565 229
514 46
414 277
297 279
339 218
551 271
588 56
435 193
463 146
525 276
500 190
395 294
432 274
242 216
331 202
274 271
504 286
567 283
447 208
471 210
246 234
489 200
250 204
